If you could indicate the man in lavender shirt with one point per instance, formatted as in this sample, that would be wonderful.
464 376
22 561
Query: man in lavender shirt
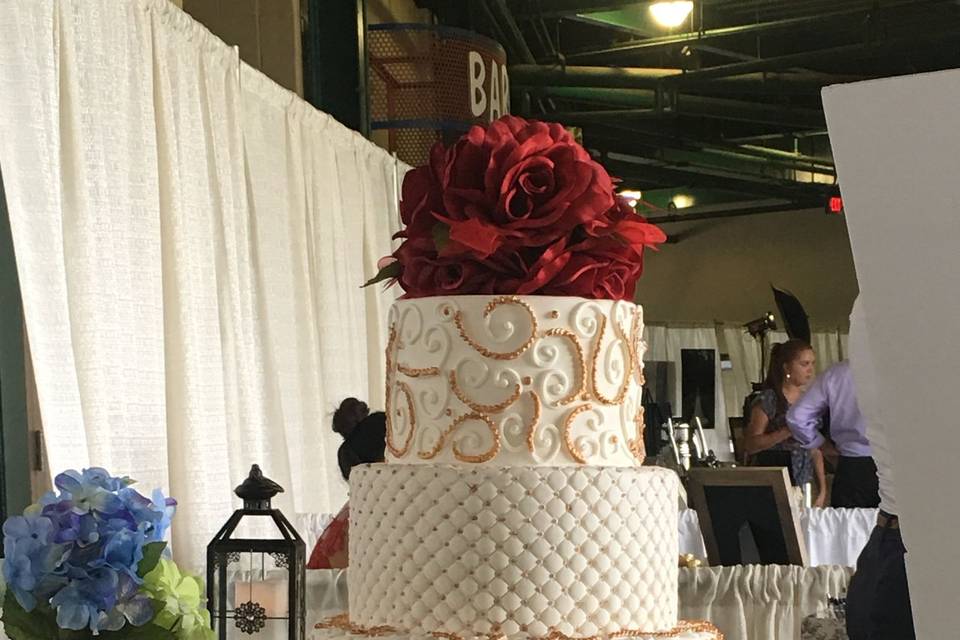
833 394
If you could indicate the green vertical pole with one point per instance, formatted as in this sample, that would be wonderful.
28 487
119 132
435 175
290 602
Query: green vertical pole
15 458
335 62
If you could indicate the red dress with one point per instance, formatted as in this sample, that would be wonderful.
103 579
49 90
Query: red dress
332 542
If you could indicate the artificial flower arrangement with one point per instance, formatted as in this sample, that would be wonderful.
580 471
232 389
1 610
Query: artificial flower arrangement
519 208
91 561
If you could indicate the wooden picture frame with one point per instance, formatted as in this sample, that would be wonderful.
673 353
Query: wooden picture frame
754 499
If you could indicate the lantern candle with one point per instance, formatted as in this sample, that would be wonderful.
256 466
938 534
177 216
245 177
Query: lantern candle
271 594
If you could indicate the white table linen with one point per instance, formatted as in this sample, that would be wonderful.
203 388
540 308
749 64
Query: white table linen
832 536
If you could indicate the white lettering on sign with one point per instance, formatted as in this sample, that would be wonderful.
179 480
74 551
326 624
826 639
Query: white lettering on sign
495 111
478 95
489 92
504 90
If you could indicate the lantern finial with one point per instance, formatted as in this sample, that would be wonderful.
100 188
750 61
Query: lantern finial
257 490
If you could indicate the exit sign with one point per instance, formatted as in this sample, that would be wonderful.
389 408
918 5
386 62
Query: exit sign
835 205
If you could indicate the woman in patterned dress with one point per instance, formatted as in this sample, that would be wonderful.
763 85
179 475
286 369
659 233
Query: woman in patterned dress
364 436
768 441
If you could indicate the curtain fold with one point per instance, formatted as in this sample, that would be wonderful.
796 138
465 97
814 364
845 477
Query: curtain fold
191 240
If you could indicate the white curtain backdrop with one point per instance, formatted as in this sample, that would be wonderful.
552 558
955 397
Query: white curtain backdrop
190 240
665 344
829 346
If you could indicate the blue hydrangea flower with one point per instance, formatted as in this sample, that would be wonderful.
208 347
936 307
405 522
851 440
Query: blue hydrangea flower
157 511
32 562
82 603
100 477
87 495
79 550
133 606
122 550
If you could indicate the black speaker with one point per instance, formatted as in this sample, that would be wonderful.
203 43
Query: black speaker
698 385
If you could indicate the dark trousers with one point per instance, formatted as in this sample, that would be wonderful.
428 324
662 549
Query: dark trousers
878 601
855 483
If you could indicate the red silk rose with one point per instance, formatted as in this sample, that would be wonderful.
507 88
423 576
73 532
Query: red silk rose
517 208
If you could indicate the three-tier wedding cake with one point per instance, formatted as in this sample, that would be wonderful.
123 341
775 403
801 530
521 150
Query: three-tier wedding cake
513 502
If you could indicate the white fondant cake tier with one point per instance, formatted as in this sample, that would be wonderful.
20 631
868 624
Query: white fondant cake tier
515 550
340 628
515 380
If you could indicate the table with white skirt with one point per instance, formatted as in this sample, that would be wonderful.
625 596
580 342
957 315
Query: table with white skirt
832 536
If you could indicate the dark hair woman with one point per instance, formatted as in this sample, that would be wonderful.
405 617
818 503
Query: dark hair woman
364 440
767 440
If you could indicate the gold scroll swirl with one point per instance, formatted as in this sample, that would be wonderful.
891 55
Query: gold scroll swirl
498 355
636 446
476 406
425 372
572 448
411 416
391 345
628 365
578 391
459 455
534 421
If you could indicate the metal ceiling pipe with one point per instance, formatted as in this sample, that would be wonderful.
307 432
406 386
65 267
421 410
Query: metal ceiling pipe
849 51
535 75
694 216
661 142
694 105
630 167
606 115
505 19
723 32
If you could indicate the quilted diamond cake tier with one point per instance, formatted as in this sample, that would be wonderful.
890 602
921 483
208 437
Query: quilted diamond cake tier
528 551
515 380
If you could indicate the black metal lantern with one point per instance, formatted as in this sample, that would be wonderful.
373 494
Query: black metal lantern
256 584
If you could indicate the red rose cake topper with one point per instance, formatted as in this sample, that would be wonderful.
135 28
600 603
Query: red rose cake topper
517 208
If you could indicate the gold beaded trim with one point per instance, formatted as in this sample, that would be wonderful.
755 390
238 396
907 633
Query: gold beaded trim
636 447
572 448
575 393
476 406
497 355
388 406
635 337
426 372
459 455
399 453
622 391
532 430
342 623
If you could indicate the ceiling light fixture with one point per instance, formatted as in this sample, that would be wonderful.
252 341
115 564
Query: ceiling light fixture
671 13
682 201
631 196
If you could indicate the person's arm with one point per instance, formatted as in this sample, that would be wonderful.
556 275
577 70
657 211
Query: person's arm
816 456
804 416
755 440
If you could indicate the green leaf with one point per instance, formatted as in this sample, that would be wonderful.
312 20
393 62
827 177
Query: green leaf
21 625
441 236
390 271
151 556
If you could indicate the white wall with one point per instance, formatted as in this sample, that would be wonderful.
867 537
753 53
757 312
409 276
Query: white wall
722 270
